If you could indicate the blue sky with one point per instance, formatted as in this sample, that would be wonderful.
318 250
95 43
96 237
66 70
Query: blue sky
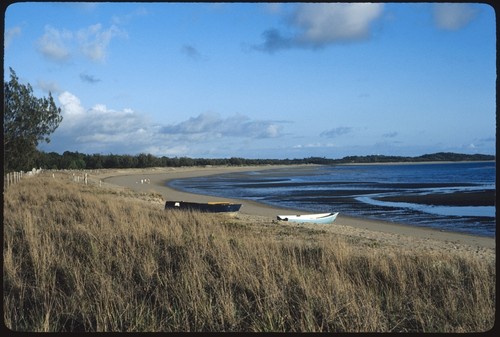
261 80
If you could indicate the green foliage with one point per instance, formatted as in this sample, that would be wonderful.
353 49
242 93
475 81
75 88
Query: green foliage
27 121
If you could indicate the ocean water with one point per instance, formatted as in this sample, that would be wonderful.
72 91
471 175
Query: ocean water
362 190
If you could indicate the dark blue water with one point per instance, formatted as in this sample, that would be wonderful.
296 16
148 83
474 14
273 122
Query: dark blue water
371 191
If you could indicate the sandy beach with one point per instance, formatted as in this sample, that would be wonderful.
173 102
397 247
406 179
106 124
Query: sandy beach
155 180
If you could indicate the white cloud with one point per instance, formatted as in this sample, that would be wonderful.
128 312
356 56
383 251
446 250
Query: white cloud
211 125
94 41
272 131
179 150
54 44
128 132
313 145
71 106
453 16
323 23
203 123
315 25
98 122
11 34
126 18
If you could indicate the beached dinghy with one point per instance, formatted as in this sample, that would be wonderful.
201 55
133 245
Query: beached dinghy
212 207
322 218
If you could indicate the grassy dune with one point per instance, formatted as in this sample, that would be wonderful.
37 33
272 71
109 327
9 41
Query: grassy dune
83 258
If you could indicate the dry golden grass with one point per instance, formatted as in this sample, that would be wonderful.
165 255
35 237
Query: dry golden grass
81 258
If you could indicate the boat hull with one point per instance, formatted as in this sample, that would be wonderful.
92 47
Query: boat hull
210 207
322 218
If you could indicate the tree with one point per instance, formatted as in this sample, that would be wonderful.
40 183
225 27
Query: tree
27 121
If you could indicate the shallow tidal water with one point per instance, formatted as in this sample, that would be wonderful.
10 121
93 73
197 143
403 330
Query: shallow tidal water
439 192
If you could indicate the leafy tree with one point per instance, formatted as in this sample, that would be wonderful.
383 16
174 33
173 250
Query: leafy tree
233 161
27 121
94 161
73 160
51 160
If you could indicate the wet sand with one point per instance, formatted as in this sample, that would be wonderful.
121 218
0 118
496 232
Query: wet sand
155 180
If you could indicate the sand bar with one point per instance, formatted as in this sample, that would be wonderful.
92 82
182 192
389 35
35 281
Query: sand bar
155 180
482 198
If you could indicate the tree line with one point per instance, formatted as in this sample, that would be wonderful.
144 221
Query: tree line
76 160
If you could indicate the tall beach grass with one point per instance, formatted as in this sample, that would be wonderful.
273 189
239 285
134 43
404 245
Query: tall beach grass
83 258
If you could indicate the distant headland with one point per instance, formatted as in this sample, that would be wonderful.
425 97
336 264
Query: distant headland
434 157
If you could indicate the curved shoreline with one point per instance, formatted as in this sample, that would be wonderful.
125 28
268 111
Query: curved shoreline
158 178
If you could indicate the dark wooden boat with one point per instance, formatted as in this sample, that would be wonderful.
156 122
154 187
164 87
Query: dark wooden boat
211 207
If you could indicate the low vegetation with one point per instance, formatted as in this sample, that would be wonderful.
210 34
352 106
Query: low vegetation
82 258
76 160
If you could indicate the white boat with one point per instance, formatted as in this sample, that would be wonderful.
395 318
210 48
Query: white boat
322 218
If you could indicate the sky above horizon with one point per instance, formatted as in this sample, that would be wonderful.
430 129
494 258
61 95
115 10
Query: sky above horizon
260 80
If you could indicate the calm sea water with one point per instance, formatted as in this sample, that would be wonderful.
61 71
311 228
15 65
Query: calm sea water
355 190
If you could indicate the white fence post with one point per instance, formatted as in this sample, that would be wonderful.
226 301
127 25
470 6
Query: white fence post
15 177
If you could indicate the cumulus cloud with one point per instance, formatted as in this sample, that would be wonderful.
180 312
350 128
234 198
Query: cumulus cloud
210 125
316 25
100 128
71 109
453 16
97 128
335 132
203 123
